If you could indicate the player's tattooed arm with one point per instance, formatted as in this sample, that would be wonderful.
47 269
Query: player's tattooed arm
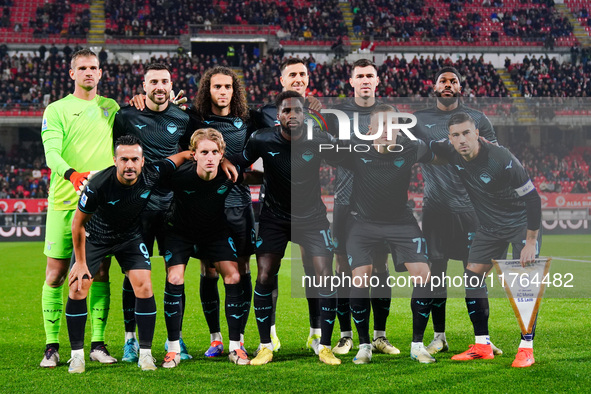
80 269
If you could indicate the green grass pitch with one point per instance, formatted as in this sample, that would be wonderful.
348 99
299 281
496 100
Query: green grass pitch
562 351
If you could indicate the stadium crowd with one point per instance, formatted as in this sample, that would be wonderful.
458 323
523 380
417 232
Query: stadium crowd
545 77
157 18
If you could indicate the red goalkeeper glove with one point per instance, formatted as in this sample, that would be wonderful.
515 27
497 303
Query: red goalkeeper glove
77 179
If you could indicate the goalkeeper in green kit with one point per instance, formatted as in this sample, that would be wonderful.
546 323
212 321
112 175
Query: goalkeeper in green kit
77 133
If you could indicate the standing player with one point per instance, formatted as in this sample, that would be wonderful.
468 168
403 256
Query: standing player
293 210
509 212
77 137
295 78
221 104
449 220
364 80
107 222
197 227
159 127
380 214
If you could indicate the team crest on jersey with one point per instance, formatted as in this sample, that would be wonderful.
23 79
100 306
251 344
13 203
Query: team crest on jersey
484 177
222 189
105 111
172 128
399 162
238 123
307 155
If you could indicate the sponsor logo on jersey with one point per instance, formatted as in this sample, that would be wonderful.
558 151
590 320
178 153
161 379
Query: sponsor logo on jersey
140 126
459 167
399 162
307 155
172 128
430 125
113 202
365 161
78 114
510 165
273 154
145 194
484 177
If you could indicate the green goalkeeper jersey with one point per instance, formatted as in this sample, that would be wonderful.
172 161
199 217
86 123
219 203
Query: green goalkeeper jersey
76 134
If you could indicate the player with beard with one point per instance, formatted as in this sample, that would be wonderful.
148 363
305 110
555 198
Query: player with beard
159 127
107 222
295 78
292 211
220 104
364 80
449 220
509 212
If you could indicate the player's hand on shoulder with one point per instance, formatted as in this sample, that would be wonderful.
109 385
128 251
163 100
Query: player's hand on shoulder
230 170
178 99
313 103
138 101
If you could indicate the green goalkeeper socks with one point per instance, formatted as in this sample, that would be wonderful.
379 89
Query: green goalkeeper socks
99 298
53 305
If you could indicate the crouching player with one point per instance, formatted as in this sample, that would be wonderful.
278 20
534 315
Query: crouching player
107 222
197 228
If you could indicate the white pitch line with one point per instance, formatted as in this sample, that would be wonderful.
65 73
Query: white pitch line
574 260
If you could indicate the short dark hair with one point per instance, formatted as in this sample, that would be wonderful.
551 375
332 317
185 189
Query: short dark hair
81 53
363 63
449 70
128 139
156 66
285 95
459 118
290 61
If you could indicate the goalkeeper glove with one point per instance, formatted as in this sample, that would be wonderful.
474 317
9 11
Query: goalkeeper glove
178 99
78 180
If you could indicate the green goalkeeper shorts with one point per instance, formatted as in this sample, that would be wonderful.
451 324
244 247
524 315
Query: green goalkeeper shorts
58 234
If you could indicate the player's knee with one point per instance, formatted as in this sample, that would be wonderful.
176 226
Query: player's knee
265 279
232 278
143 289
55 278
79 294
175 279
